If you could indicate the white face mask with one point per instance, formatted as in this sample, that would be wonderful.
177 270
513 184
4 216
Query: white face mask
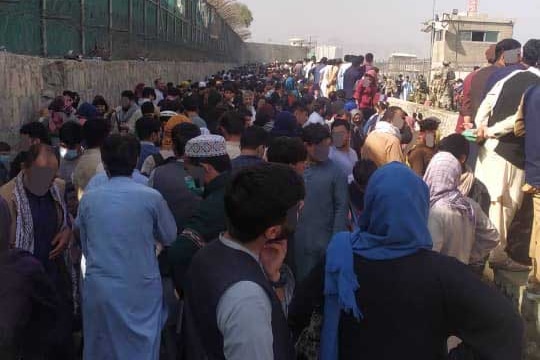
430 140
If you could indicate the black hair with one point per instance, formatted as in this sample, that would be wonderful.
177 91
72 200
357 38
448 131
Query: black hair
253 137
4 147
505 45
181 134
456 144
232 122
369 57
17 164
298 106
220 163
94 132
259 197
147 92
363 170
71 134
531 52
429 124
357 61
190 103
314 134
345 123
286 150
148 108
391 113
100 100
320 104
35 130
120 154
35 150
128 94
146 126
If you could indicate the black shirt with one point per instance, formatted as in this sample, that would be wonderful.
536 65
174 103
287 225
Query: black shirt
412 305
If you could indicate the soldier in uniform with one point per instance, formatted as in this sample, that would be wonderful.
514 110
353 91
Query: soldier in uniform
448 78
435 90
421 90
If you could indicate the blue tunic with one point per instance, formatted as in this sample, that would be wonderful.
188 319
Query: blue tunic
122 298
325 213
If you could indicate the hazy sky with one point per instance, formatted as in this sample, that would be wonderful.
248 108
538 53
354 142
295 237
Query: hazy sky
380 26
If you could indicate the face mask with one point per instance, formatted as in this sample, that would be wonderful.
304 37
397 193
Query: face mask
39 179
71 154
321 152
338 140
5 159
430 140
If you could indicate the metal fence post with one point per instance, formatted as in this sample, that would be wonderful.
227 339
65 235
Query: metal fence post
110 28
83 29
44 27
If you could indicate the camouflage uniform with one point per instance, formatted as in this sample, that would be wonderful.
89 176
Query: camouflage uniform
435 90
448 77
421 92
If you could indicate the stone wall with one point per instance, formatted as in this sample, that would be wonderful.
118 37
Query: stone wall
29 83
266 53
448 118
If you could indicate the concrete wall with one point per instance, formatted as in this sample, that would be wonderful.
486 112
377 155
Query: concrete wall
266 53
448 118
29 83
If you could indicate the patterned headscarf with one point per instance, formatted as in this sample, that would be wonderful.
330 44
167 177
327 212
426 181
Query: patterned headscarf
443 177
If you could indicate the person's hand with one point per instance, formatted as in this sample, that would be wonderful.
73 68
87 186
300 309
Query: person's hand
60 243
272 257
467 125
481 134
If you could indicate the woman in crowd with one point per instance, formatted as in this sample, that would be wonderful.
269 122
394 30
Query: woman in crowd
387 295
457 224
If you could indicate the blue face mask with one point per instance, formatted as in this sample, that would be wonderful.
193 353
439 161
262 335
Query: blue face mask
5 159
71 154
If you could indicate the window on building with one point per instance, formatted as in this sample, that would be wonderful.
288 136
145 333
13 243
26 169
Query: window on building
479 36
438 35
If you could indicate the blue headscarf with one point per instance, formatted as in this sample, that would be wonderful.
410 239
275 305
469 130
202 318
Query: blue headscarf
393 225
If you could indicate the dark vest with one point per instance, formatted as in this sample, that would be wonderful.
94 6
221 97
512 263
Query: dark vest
214 269
511 147
532 135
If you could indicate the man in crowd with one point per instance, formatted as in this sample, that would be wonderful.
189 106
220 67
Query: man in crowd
252 147
94 134
502 153
122 293
352 75
39 225
70 150
383 145
125 116
424 149
191 109
160 90
340 151
288 151
320 108
326 204
148 131
172 180
237 278
148 95
301 113
231 126
209 165
528 125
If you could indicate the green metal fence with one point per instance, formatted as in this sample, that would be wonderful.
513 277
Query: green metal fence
117 29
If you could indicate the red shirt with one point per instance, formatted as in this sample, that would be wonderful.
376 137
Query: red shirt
366 96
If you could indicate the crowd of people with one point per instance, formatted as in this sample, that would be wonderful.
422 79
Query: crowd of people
282 211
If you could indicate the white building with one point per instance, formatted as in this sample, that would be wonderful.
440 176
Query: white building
329 52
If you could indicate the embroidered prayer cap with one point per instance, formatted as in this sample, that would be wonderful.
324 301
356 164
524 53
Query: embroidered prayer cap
205 146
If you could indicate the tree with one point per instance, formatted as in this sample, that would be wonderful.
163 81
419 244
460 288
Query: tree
237 15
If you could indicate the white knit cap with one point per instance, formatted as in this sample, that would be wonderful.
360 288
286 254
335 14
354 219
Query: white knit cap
205 146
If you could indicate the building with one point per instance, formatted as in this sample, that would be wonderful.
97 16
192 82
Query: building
462 39
328 51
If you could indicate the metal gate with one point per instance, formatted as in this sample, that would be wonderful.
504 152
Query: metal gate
117 29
